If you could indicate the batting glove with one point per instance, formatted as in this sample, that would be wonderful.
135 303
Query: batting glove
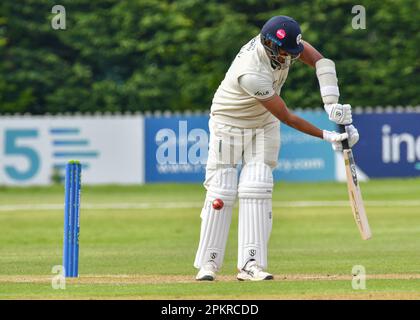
339 113
353 138
334 137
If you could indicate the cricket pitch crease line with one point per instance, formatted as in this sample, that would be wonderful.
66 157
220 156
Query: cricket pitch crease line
159 279
186 205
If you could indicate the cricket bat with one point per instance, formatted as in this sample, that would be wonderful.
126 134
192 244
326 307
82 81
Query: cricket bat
355 195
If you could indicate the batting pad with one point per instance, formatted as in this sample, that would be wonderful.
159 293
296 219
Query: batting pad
215 223
255 213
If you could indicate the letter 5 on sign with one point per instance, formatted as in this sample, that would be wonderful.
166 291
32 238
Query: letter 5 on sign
15 150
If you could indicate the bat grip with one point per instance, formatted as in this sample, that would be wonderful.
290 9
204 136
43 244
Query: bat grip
345 143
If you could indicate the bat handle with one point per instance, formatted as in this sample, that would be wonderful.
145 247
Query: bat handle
345 143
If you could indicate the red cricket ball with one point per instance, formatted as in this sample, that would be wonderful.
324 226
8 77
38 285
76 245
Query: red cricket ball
217 204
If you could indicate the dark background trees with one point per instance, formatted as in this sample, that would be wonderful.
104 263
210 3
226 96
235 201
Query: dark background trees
137 55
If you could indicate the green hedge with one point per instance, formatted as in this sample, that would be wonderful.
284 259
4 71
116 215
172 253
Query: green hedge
137 55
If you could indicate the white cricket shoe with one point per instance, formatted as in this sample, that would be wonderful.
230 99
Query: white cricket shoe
207 272
253 272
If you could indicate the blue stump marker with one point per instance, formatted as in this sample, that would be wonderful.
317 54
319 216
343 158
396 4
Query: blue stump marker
71 222
77 188
72 219
67 231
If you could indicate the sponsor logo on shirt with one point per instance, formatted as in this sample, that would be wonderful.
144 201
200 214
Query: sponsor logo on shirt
259 93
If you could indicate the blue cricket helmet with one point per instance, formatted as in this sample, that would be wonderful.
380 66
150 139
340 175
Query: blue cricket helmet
283 33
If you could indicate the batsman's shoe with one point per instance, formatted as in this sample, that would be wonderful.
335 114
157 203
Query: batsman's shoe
207 272
253 272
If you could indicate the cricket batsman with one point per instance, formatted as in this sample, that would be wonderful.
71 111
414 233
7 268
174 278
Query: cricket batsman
244 128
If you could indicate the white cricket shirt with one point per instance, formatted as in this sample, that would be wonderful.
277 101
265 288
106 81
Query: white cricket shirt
249 79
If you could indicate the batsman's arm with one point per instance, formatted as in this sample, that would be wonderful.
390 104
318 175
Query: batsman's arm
328 84
310 55
278 108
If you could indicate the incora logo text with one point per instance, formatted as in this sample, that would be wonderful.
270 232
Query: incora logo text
393 144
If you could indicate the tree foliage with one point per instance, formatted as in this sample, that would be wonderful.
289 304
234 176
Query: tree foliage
137 55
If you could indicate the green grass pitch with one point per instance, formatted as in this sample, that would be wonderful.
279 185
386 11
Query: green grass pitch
139 242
